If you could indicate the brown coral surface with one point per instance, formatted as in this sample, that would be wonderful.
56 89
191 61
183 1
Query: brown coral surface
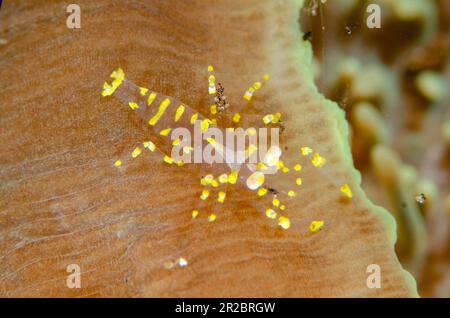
62 202
392 82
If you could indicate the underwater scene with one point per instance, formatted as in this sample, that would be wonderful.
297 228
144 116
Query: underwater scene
225 149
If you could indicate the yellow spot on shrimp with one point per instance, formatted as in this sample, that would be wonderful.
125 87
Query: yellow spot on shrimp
275 202
257 85
212 141
271 214
212 84
180 163
251 149
143 90
276 118
262 191
261 166
255 180
194 118
187 149
165 132
118 163
133 105
149 145
267 119
136 152
194 214
211 217
299 181
280 164
162 108
205 124
345 189
306 151
214 183
272 157
284 222
151 98
168 265
236 118
107 90
298 167
249 94
214 109
209 178
221 196
168 160
118 76
316 226
223 178
232 177
291 193
179 112
318 161
204 195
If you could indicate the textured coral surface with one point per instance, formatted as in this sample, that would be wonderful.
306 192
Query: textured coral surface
62 202
393 84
